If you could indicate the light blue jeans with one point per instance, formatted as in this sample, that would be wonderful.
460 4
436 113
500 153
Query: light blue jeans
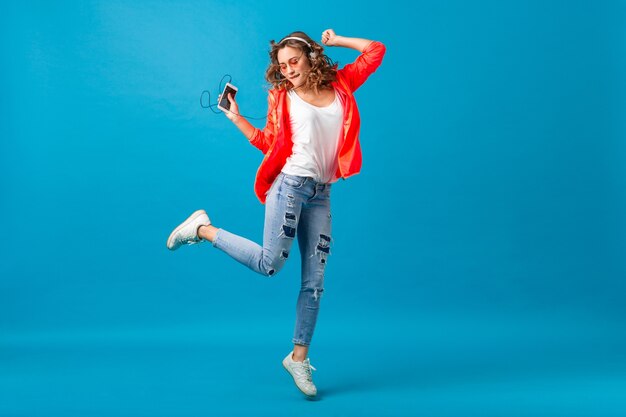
295 206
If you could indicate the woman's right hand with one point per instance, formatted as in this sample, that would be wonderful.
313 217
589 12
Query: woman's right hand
329 37
233 114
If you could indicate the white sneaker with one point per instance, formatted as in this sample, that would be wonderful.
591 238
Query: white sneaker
187 232
301 373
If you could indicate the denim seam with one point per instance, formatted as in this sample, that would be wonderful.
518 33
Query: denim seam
217 236
300 342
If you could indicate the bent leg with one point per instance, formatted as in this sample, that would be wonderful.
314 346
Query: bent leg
282 211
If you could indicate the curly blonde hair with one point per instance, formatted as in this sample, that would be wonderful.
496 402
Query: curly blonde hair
323 69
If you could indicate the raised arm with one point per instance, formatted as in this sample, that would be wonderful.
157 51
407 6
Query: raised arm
367 62
329 38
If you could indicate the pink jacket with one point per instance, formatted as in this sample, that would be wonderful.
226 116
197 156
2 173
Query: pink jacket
275 139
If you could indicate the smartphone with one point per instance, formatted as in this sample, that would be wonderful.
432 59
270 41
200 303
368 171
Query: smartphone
224 104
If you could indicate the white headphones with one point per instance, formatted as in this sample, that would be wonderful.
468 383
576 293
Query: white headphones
312 54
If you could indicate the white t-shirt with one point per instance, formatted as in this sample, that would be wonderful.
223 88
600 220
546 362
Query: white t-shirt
315 135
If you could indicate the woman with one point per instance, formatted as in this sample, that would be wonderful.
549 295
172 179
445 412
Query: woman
310 141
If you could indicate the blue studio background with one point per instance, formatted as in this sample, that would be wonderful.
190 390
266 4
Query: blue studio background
478 262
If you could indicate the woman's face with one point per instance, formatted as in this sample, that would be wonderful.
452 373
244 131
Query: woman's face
293 65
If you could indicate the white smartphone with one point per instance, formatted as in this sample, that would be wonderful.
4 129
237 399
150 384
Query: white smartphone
224 104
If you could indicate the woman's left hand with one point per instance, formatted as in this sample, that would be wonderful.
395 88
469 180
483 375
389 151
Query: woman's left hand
329 38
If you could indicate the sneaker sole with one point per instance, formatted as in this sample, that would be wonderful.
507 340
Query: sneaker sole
294 381
191 218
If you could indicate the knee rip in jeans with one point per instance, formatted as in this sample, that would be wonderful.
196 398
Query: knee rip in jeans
317 293
284 254
323 248
288 229
290 199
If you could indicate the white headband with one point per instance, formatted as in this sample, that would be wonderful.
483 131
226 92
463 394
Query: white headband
297 39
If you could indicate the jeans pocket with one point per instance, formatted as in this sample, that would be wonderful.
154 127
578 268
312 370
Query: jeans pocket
293 181
268 192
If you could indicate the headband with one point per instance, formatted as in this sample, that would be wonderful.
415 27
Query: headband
295 38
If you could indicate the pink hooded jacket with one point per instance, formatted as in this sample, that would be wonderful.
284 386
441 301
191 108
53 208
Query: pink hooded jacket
275 139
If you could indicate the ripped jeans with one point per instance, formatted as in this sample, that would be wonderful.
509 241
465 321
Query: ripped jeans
294 204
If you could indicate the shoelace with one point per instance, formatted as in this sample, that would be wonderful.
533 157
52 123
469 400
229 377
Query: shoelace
192 241
306 367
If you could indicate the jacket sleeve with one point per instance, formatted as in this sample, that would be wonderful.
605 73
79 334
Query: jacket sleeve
263 138
370 59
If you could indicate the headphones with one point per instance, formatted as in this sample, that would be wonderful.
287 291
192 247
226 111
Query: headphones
312 54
